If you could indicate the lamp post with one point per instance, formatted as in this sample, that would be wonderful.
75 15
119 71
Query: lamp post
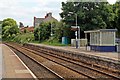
78 29
77 33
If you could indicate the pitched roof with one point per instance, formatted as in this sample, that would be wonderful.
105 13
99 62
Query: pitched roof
39 20
30 29
49 18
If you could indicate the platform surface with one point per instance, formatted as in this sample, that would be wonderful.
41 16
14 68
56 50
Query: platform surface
13 67
110 55
0 61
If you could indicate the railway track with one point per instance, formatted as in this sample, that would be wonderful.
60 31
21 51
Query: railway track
106 74
66 72
39 69
78 67
85 59
78 64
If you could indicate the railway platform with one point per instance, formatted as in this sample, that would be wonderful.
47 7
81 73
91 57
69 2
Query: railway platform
109 55
0 61
12 66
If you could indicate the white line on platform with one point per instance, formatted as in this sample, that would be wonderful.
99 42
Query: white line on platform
23 63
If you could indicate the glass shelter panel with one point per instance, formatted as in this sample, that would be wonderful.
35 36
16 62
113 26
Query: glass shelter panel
107 38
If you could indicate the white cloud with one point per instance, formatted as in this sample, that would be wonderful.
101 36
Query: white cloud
25 10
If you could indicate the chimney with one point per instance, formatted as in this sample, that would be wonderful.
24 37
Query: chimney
34 17
48 14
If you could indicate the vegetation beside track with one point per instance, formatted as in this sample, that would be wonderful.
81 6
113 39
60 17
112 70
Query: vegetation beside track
53 43
29 38
105 17
24 38
21 38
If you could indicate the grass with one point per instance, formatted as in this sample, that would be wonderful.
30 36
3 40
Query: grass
50 43
53 43
29 38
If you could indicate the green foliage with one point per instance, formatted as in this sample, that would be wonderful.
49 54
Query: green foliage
36 33
116 22
45 30
53 43
59 29
9 22
90 15
0 30
24 38
9 28
10 31
26 31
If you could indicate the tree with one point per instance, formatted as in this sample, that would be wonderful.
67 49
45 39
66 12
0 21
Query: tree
116 22
9 28
43 31
9 22
90 15
36 33
58 30
0 27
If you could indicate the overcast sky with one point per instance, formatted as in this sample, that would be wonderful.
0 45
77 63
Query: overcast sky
25 10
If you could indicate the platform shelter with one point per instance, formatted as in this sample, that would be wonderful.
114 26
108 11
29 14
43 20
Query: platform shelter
102 40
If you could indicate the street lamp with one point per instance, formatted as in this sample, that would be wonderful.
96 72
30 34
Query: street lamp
77 44
78 27
77 33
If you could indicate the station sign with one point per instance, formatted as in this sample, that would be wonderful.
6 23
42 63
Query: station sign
74 28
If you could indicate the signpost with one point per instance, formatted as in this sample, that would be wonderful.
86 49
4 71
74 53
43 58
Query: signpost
77 33
76 28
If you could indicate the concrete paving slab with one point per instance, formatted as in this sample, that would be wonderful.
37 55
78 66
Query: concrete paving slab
0 61
111 55
13 66
22 71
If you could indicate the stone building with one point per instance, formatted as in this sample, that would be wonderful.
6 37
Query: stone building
47 18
